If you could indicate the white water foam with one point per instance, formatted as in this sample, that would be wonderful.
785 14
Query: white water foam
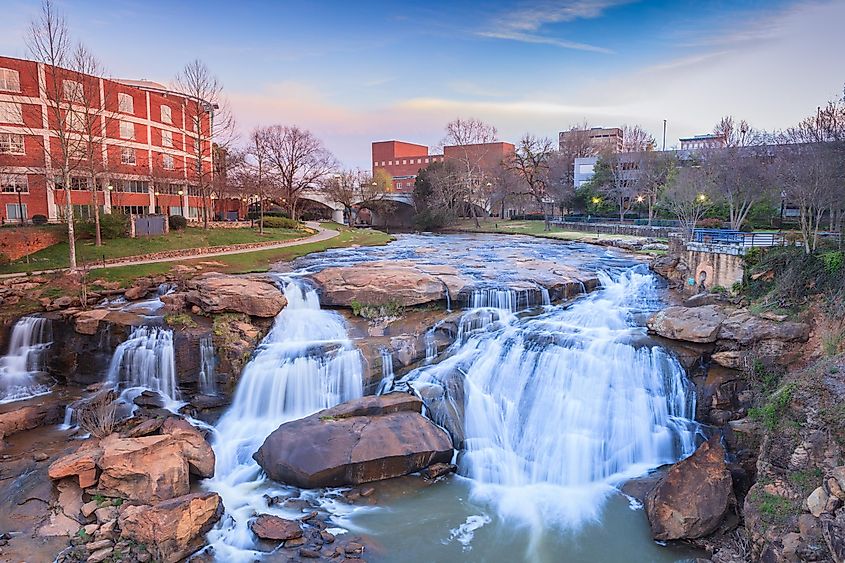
22 366
145 361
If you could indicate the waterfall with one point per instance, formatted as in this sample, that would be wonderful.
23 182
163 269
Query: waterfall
305 364
386 383
560 407
507 298
208 360
146 361
430 346
21 367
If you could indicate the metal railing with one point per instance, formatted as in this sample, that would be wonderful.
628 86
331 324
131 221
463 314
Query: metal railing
738 238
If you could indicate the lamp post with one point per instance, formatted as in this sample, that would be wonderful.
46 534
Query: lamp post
181 203
158 207
111 202
782 206
19 189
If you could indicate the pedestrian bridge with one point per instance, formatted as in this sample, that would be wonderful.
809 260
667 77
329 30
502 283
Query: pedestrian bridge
319 196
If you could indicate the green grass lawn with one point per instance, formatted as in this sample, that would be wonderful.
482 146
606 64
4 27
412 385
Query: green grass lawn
534 228
255 261
56 256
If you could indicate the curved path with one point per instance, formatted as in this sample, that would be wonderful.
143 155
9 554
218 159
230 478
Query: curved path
321 235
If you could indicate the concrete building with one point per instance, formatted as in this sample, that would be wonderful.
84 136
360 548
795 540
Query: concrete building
584 168
600 138
403 160
706 141
150 144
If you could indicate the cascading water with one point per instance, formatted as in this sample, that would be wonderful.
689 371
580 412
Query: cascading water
208 360
146 361
387 376
506 298
561 407
305 364
20 368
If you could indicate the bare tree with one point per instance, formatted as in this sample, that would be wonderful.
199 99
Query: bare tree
617 179
264 180
351 188
654 171
465 137
530 162
211 122
636 139
738 132
49 43
300 159
688 196
742 178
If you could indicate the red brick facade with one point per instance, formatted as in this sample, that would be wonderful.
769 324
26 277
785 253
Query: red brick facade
19 242
150 154
403 161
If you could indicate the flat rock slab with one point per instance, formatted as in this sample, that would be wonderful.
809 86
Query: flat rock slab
692 324
363 440
221 293
269 527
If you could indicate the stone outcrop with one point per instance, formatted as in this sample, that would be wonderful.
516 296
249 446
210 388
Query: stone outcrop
691 324
19 418
172 529
269 527
693 498
81 464
380 283
221 293
367 439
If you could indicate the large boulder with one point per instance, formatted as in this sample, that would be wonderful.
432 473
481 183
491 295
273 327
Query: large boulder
149 468
367 439
379 283
81 464
172 529
221 293
745 329
691 324
195 449
14 418
694 496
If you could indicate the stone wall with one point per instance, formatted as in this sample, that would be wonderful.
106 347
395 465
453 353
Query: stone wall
615 229
17 242
713 267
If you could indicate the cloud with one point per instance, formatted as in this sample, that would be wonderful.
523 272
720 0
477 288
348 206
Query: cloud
524 22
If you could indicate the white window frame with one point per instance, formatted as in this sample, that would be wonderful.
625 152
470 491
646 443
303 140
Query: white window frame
166 138
125 103
8 183
127 156
74 92
12 143
10 112
127 130
10 80
75 120
166 114
167 162
12 210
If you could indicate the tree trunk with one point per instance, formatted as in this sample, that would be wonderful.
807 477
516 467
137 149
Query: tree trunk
71 235
650 209
98 237
260 213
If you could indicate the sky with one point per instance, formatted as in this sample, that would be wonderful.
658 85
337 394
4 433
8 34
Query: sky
356 71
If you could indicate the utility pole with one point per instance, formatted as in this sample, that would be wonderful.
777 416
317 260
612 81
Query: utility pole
664 135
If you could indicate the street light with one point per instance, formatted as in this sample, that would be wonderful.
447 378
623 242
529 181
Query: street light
640 199
181 205
111 189
19 190
702 198
158 207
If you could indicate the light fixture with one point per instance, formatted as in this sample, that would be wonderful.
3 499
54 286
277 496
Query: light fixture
640 199
596 200
702 198
181 192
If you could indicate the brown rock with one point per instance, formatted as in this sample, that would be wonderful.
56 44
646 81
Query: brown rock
195 448
438 470
363 440
87 322
175 302
693 497
269 527
29 417
149 468
172 529
149 426
691 324
81 464
136 292
220 293
746 329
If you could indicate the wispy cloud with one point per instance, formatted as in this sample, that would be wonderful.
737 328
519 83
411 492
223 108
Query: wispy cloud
525 22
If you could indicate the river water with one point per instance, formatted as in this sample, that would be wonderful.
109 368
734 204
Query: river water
557 406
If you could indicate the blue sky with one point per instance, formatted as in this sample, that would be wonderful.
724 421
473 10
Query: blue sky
360 71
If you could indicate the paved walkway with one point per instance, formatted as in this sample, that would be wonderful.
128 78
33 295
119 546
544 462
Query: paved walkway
321 235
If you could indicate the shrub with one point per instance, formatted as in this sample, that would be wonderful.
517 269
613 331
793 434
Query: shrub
98 417
371 312
770 413
710 223
112 226
177 223
281 223
39 219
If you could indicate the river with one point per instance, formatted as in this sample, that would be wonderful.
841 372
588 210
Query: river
561 404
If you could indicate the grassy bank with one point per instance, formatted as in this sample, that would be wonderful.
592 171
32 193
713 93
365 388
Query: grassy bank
56 256
533 228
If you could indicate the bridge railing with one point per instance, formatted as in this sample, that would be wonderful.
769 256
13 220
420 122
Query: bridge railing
738 238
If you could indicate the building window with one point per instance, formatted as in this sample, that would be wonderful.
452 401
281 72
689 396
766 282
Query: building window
426 161
127 130
75 121
85 212
390 163
167 162
79 184
166 139
134 209
73 91
125 103
10 80
127 156
10 113
175 210
12 144
14 212
133 186
166 114
11 183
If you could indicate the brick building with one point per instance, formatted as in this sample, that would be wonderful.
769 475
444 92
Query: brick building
150 145
600 139
403 161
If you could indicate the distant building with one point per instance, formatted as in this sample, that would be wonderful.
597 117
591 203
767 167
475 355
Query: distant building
403 160
584 169
600 138
706 141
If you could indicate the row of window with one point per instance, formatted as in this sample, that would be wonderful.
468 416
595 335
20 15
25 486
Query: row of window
408 161
14 183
